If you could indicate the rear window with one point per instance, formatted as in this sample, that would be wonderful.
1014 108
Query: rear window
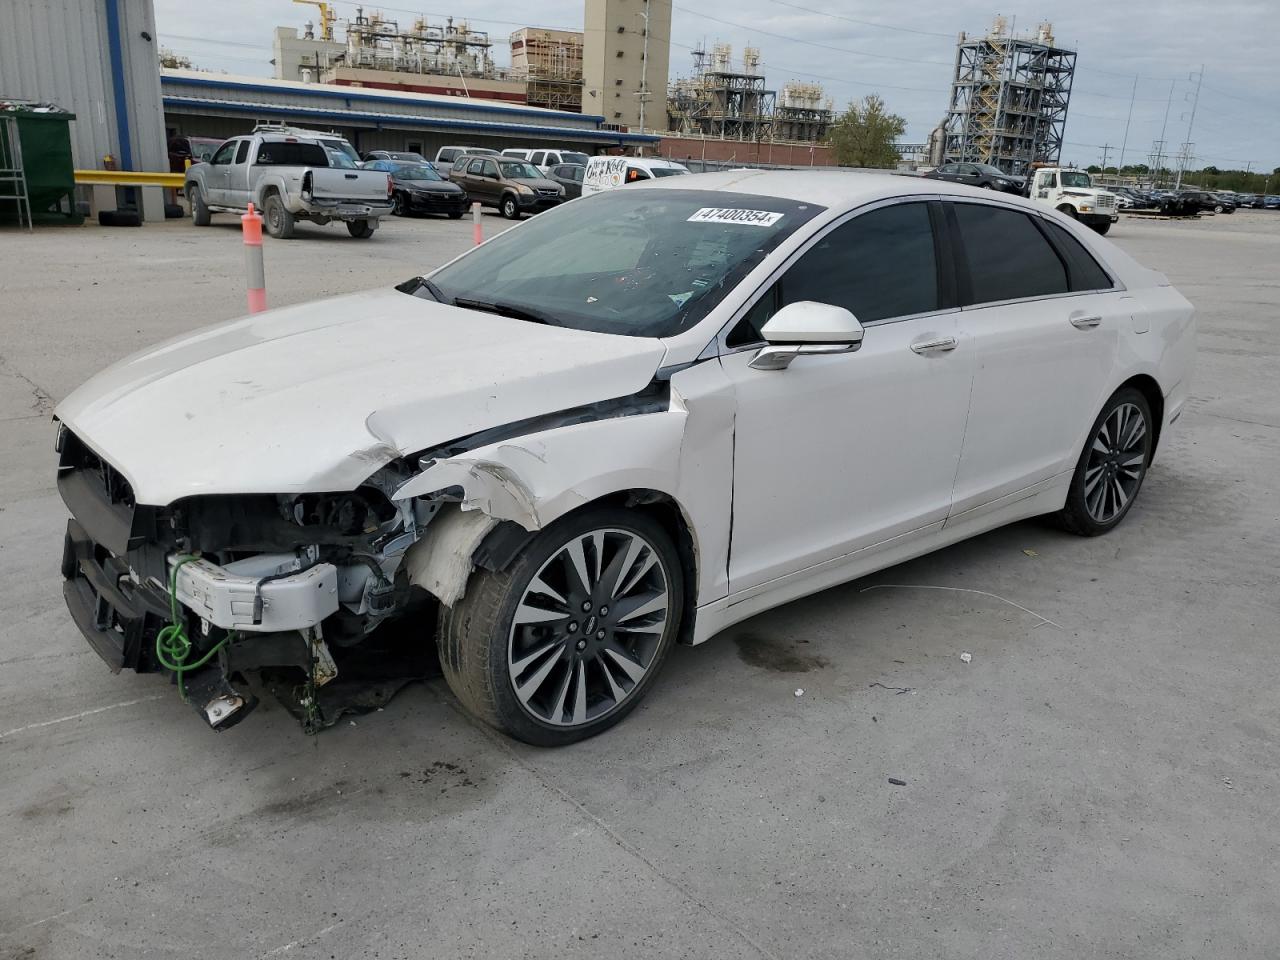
280 153
1008 257
1085 272
668 171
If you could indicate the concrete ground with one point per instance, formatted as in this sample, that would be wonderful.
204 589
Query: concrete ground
1099 781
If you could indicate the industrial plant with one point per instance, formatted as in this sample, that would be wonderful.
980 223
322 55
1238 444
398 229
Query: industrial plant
1009 99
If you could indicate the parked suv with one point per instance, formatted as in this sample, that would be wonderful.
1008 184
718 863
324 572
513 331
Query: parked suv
544 160
515 187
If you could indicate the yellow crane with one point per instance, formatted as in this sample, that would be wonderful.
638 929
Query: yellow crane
326 17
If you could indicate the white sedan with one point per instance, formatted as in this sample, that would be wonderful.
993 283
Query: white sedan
628 423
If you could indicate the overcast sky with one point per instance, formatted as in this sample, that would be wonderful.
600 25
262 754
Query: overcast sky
904 52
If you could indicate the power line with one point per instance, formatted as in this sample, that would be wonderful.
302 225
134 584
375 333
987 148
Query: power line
865 23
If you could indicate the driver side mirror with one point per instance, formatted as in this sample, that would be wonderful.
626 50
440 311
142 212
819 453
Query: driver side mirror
806 327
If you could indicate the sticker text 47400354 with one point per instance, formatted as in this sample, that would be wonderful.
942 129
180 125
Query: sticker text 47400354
753 218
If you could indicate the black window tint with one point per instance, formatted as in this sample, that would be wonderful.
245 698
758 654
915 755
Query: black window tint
1084 270
878 265
242 151
1008 257
281 153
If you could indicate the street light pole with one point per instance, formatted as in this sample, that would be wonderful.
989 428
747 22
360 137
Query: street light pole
644 66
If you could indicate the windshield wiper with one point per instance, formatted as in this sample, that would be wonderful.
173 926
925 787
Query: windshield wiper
506 310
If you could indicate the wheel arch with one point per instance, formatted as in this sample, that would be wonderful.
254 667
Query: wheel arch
1146 385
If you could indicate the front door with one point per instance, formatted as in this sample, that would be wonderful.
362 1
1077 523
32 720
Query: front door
840 453
1045 326
237 194
215 177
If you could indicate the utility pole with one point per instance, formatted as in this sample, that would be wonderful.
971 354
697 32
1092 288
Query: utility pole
644 66
1192 122
1164 126
1125 142
1106 148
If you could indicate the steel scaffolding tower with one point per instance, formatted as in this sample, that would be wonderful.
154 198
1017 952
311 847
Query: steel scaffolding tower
1009 99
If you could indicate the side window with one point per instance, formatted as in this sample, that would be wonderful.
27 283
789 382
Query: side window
476 167
1085 272
578 173
225 152
490 168
877 266
242 151
537 157
1007 255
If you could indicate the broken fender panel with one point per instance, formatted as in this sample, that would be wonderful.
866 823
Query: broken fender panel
685 453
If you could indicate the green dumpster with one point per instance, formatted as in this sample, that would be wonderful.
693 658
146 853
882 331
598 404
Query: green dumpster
45 136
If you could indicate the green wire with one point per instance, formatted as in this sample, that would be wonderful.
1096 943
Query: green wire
173 646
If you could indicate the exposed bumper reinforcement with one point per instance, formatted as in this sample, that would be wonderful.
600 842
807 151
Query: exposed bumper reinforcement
254 605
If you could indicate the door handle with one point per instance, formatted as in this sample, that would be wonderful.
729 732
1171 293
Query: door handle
939 345
1085 323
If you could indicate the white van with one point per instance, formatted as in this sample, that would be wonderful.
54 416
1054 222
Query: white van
446 155
605 173
544 159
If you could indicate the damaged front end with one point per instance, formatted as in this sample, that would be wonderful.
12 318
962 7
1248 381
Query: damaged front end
301 591
328 599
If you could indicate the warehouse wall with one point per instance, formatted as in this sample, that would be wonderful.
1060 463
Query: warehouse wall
59 51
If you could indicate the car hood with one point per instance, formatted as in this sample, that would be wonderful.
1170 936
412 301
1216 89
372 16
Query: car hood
429 186
536 182
318 396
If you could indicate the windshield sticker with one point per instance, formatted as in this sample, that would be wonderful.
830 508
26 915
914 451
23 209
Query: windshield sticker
754 218
680 299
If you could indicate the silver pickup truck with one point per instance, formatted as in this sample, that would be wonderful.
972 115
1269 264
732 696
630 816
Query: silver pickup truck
289 177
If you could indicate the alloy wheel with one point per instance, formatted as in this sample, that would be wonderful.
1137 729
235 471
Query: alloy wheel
1117 460
588 627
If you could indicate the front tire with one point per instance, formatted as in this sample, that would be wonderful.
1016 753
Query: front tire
455 216
1112 465
200 215
1101 228
1067 210
510 209
360 229
1217 208
398 206
568 639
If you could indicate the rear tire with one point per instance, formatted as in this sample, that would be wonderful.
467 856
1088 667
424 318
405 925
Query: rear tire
510 208
200 215
1112 465
535 650
360 229
277 218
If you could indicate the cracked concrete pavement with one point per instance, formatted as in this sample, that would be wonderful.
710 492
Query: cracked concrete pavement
1098 781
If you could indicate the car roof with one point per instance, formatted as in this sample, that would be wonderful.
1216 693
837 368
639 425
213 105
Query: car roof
831 188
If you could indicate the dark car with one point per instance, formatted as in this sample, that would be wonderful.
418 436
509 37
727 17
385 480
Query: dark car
404 156
569 176
979 175
418 188
1204 202
184 151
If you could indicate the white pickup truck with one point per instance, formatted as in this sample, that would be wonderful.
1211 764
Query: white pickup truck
289 176
1072 192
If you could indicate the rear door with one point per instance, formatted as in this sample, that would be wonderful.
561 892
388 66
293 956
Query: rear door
1045 319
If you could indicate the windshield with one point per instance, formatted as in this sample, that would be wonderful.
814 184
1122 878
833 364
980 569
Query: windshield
643 263
416 172
1075 179
667 171
578 158
342 147
513 170
339 159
